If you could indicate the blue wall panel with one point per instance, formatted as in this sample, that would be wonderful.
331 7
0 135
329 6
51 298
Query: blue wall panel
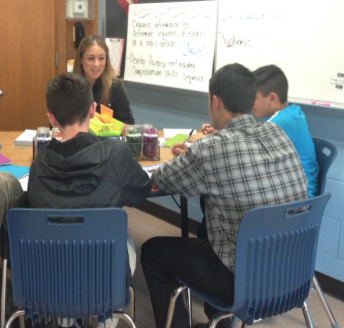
329 236
341 243
331 266
335 206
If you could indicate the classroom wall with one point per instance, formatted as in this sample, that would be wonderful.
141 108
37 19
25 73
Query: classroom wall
173 108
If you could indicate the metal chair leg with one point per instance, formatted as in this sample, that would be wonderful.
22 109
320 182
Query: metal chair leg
234 322
132 302
188 305
21 322
217 317
124 316
307 315
324 302
3 293
171 307
14 316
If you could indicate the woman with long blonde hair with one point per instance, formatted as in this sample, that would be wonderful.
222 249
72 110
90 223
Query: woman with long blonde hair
92 61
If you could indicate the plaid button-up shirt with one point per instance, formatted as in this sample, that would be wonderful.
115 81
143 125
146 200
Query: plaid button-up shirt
245 165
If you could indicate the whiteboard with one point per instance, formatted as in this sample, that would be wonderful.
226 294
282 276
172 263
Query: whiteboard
171 44
305 38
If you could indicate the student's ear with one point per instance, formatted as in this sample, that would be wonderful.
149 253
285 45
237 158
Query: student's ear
93 108
52 119
217 102
274 99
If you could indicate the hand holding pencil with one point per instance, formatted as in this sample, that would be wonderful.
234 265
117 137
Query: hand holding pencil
180 148
208 129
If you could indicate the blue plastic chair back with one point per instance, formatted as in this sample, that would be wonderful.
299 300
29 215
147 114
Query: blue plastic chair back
325 153
68 263
275 258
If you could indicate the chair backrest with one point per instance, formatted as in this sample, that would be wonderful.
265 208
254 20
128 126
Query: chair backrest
325 153
275 258
68 263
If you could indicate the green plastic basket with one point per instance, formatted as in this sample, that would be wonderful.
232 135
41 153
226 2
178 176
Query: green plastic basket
105 130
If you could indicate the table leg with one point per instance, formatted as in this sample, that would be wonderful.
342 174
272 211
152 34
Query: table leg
184 216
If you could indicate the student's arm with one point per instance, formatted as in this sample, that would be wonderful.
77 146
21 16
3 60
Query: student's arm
134 181
206 130
183 175
120 104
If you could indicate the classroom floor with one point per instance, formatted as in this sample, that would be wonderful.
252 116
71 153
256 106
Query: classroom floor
143 226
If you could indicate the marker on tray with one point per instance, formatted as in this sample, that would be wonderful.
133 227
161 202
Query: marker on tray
322 104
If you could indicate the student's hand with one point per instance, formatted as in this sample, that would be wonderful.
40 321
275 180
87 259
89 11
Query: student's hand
208 129
195 137
177 150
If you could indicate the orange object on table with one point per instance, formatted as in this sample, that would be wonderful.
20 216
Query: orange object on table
106 111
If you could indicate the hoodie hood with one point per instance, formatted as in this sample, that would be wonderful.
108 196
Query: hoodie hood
74 167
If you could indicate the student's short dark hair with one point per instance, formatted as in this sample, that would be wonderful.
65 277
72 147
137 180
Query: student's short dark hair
236 86
69 97
271 78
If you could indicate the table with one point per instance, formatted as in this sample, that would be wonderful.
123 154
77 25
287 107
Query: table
23 156
18 155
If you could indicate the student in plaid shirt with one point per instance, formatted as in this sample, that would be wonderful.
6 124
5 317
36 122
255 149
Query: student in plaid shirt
244 165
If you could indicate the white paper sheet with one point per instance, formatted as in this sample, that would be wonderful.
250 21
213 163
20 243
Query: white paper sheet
170 133
27 135
24 182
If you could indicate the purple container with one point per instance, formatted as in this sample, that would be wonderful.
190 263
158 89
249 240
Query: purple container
150 142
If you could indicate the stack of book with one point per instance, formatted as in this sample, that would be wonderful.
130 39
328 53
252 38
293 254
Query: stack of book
25 139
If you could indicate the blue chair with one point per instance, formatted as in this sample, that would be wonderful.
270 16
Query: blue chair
325 153
69 264
274 262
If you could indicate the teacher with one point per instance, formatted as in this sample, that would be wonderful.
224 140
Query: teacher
93 62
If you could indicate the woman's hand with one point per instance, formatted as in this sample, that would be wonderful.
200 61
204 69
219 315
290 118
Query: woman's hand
123 129
178 148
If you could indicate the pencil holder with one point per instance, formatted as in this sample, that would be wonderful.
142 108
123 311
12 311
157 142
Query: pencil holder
41 140
140 156
150 151
133 139
150 142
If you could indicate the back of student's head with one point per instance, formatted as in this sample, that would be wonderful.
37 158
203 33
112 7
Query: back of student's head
235 85
271 78
69 97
